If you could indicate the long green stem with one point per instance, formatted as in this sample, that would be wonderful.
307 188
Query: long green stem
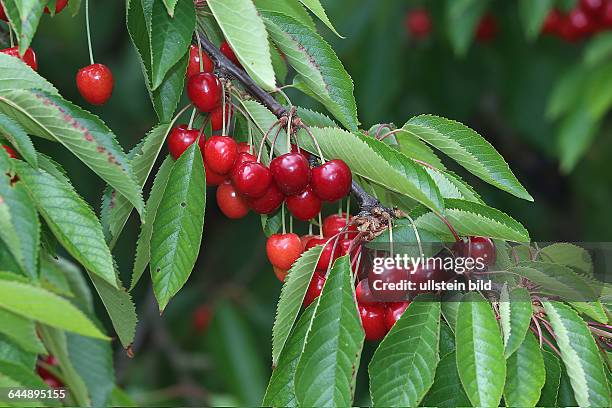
91 57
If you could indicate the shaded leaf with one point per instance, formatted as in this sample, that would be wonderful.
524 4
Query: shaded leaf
525 375
515 317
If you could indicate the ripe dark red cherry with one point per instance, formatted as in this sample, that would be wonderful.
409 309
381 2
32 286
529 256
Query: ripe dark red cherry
281 274
363 292
216 117
380 278
10 151
229 53
204 91
296 149
335 223
244 158
269 202
232 204
194 62
283 249
328 255
305 239
605 18
244 147
220 153
291 172
486 29
331 181
553 22
479 247
212 178
305 205
373 321
202 317
2 13
95 83
29 57
592 7
314 288
181 138
394 312
46 375
252 179
418 23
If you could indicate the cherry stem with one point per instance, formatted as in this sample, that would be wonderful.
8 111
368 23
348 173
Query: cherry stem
264 138
12 40
423 163
314 140
320 225
274 141
223 130
191 119
448 224
389 134
380 128
283 217
91 57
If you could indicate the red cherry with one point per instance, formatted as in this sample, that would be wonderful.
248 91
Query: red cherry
212 178
575 25
269 202
194 62
331 181
305 239
181 138
29 57
204 91
10 151
305 205
216 117
281 274
244 147
592 7
244 158
335 223
291 172
394 312
229 53
202 317
59 6
2 13
296 149
478 247
232 204
373 321
220 153
418 23
95 83
606 15
314 289
380 278
553 22
486 29
328 255
252 179
283 249
363 292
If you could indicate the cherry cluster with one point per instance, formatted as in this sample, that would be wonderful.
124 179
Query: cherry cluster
419 25
94 82
587 18
48 377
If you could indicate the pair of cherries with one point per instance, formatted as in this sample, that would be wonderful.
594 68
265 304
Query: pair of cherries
587 18
59 6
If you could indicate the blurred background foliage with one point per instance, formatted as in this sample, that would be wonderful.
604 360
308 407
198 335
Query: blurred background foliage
502 88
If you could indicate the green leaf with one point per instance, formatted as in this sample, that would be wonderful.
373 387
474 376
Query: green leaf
10 351
25 377
325 375
526 374
414 148
598 50
74 6
447 340
271 224
548 397
594 310
480 351
317 9
377 162
178 226
314 118
533 14
170 5
24 16
168 94
462 16
120 308
451 186
280 391
45 307
515 317
446 390
291 298
450 307
469 149
76 282
566 91
580 355
143 245
19 139
404 364
84 134
71 220
19 224
21 331
170 38
16 74
318 66
250 45
52 276
469 218
290 8
574 137
569 255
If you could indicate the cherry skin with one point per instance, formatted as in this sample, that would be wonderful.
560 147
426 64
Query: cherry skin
281 274
328 254
269 202
252 179
486 29
373 321
387 274
216 117
335 223
3 13
296 149
194 62
331 181
202 317
59 6
46 375
10 151
605 18
29 57
244 147
418 23
305 239
305 205
220 153
479 247
394 312
212 178
291 172
283 249
314 288
363 292
232 204
181 138
244 157
592 7
229 53
553 22
95 83
204 91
